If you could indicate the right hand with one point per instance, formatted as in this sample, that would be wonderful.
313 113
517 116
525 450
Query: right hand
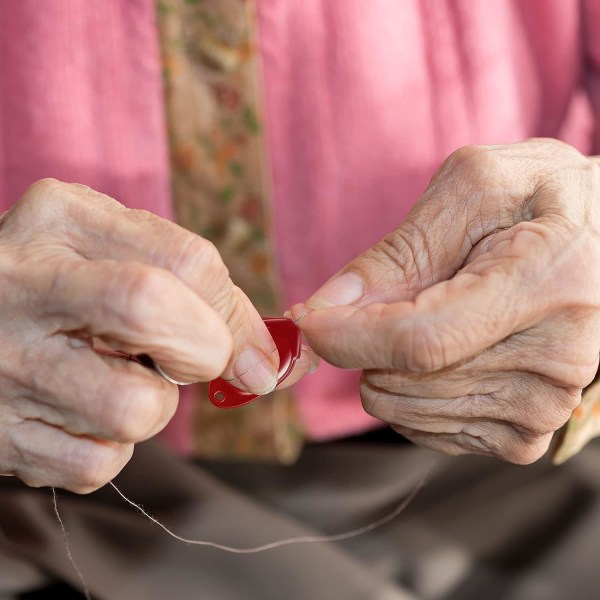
476 322
77 265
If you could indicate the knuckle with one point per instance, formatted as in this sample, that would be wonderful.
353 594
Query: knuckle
547 414
519 443
469 160
48 195
534 425
427 350
29 479
408 250
570 399
199 256
398 247
528 451
53 201
92 465
134 293
579 377
135 413
488 438
375 403
198 260
43 188
553 146
199 263
43 200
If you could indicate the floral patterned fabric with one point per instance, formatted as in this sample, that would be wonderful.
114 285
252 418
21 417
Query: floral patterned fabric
582 427
216 139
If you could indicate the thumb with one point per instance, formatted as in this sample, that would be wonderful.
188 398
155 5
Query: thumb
502 292
429 246
477 191
402 293
395 269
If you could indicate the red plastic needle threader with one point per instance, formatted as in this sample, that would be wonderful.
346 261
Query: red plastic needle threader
287 338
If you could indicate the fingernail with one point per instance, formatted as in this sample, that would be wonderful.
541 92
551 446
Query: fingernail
298 312
255 371
340 291
307 352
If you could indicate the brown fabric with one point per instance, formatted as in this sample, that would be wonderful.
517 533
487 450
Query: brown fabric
124 556
220 191
478 529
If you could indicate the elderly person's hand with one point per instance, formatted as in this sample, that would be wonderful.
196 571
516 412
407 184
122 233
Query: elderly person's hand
477 322
76 266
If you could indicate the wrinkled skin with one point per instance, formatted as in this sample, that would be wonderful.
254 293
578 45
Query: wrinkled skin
477 321
77 270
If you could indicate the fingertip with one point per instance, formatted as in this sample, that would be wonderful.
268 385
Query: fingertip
203 360
343 289
255 371
307 363
298 312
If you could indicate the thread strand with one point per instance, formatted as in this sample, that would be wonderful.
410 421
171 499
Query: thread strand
86 591
307 539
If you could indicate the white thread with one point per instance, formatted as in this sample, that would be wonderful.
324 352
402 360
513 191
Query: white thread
86 591
302 317
307 539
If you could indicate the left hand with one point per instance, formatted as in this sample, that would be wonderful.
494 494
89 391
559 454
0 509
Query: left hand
477 321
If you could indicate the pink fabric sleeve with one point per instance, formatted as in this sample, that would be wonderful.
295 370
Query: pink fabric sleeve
81 101
591 37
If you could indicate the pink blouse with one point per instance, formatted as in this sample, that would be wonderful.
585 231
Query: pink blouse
364 100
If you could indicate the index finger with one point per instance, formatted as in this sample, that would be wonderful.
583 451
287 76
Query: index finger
99 228
499 293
